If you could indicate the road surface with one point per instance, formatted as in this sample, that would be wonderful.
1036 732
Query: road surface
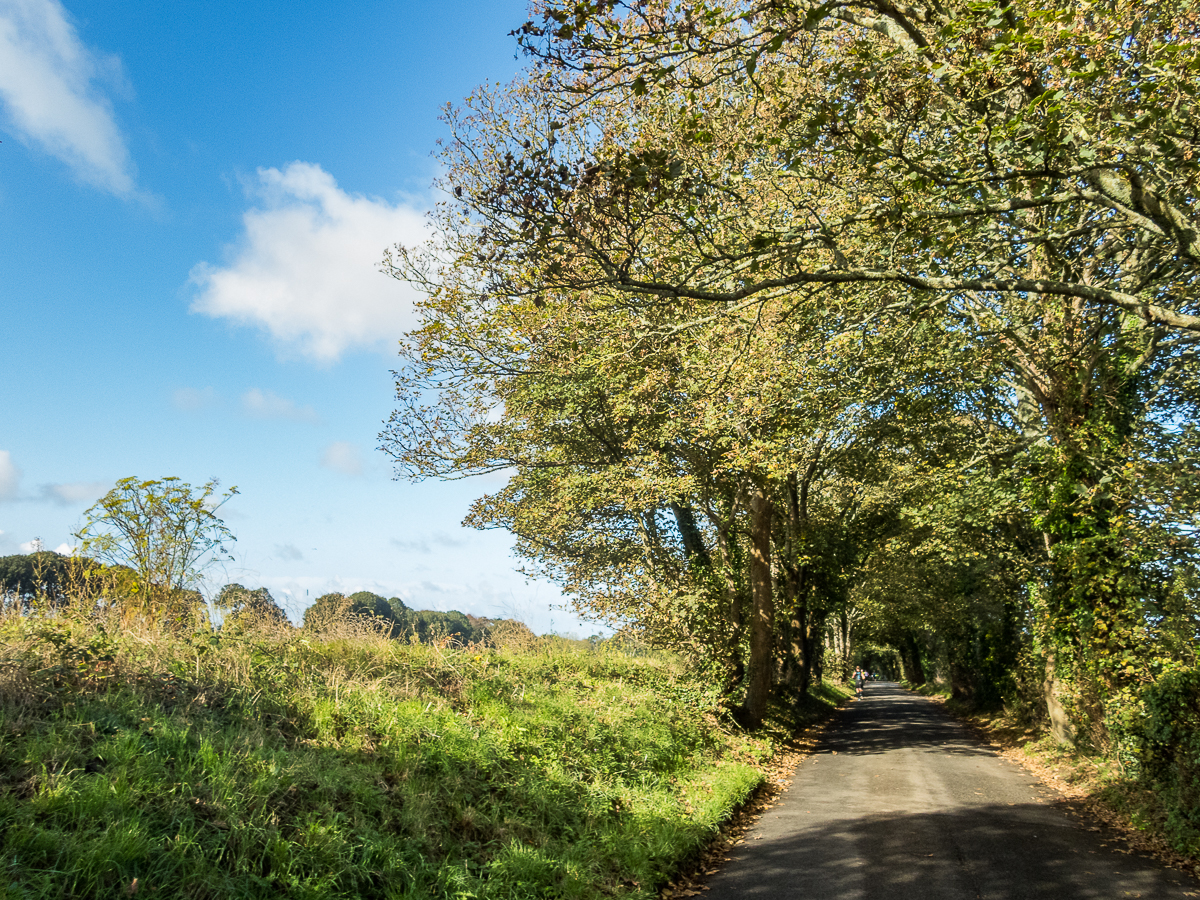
899 801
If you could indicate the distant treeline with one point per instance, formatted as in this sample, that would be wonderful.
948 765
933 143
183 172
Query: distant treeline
26 576
390 615
54 579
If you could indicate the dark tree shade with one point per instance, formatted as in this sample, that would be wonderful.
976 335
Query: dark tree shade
27 576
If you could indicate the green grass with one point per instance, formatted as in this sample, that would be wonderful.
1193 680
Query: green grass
275 765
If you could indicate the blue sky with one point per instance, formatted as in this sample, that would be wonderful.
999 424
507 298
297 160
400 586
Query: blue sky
193 200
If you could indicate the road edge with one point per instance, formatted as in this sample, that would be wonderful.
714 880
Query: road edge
1094 813
777 773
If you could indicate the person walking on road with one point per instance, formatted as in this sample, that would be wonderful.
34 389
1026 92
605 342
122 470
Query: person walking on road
859 677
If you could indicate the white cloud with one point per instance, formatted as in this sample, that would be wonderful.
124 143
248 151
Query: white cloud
307 267
78 492
10 475
64 549
191 399
268 405
342 456
34 546
48 85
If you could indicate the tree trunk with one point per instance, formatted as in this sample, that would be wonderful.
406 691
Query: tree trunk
844 660
796 584
797 632
735 665
910 658
1060 722
814 649
762 620
689 534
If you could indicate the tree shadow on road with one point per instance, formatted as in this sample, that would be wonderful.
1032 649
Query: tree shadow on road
990 852
903 721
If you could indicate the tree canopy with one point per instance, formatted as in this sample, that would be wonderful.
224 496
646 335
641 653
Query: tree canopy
243 608
797 324
24 577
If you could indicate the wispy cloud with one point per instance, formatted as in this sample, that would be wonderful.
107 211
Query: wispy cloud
191 399
75 493
10 476
62 494
342 456
268 405
426 543
306 268
289 552
53 90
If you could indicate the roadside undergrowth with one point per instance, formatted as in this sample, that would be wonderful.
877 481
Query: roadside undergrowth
278 764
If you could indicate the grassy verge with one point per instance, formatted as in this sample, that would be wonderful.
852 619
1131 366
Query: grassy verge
275 765
1090 784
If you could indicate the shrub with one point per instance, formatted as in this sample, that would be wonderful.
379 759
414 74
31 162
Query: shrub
1166 735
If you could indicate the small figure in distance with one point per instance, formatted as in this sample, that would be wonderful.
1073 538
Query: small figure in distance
859 677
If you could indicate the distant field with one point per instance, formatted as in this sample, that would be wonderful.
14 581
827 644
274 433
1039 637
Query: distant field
274 764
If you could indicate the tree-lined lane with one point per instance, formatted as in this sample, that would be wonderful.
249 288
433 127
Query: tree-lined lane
900 801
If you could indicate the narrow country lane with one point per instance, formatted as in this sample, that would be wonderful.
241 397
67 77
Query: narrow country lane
899 801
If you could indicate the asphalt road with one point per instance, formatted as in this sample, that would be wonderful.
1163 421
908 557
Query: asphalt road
899 801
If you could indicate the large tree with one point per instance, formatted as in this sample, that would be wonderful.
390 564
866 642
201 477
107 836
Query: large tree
1005 190
1026 173
683 473
26 578
164 530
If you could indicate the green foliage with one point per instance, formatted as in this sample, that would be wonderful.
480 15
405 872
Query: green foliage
428 625
332 610
644 201
823 326
392 618
166 531
1165 733
244 608
286 766
365 603
25 578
